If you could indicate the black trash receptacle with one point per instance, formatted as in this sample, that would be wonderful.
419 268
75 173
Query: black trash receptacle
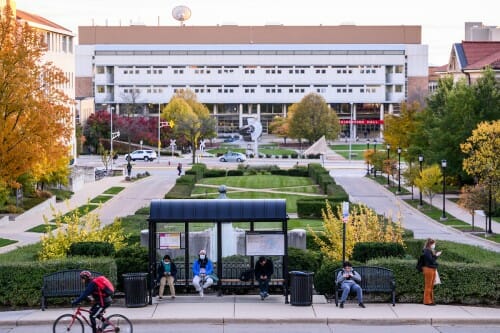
136 289
301 288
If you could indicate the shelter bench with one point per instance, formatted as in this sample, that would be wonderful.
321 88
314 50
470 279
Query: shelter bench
65 283
373 279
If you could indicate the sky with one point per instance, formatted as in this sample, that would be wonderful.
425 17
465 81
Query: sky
442 21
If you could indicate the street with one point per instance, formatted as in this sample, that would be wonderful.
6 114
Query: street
280 328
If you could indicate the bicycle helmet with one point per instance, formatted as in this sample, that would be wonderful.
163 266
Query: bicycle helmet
85 275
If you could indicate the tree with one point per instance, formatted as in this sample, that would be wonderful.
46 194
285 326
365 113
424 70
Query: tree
311 118
191 119
36 119
429 181
398 128
279 127
483 151
474 198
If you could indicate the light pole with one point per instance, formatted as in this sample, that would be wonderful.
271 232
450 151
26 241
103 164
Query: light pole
350 132
420 160
443 166
367 160
375 146
399 169
388 163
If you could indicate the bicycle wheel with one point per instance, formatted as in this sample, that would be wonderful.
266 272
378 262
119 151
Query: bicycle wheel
119 323
68 323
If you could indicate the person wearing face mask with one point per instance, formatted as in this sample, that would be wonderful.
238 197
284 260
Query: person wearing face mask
202 269
429 270
349 280
166 275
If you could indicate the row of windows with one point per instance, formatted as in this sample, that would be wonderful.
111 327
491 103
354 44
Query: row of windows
247 52
58 43
251 90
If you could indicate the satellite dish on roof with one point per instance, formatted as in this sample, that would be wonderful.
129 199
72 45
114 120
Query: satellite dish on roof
181 13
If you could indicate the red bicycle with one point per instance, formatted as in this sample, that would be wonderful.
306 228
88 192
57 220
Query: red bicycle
74 322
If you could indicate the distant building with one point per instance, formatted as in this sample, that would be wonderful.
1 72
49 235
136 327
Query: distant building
255 71
478 32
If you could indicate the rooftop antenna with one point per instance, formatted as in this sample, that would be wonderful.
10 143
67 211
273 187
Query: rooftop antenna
181 14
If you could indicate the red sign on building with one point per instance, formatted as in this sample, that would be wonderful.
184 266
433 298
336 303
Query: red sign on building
361 122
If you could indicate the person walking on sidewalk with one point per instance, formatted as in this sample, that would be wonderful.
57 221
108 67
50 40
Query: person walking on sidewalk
166 275
263 271
349 280
202 269
429 270
179 169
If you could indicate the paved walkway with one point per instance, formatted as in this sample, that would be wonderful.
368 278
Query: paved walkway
250 309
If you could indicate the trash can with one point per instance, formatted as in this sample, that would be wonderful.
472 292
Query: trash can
301 288
136 289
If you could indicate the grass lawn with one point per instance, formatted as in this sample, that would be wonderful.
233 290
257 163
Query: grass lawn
114 190
26 253
42 228
5 242
101 199
259 181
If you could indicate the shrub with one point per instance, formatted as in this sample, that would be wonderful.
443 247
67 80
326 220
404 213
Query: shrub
323 279
235 172
91 249
214 173
303 260
363 252
131 259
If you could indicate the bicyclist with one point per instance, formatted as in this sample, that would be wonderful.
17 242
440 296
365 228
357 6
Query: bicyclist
101 290
202 269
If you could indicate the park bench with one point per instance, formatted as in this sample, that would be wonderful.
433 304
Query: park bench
373 280
230 279
65 283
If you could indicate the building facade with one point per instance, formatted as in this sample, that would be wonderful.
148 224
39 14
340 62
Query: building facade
363 72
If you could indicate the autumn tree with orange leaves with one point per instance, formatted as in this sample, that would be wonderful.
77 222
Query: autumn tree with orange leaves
35 119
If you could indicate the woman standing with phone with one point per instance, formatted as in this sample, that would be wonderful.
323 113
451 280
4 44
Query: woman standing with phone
430 270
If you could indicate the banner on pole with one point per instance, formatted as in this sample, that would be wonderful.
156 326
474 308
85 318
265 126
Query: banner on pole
345 211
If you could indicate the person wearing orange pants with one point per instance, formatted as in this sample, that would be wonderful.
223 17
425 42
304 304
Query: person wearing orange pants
429 269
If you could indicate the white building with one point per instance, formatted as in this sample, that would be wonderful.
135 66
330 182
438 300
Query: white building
255 71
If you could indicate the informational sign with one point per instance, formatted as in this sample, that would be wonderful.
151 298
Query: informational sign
265 243
169 240
345 211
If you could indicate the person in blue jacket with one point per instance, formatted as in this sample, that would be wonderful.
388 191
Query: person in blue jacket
202 269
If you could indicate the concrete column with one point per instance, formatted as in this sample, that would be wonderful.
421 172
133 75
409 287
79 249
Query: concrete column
354 126
240 116
382 127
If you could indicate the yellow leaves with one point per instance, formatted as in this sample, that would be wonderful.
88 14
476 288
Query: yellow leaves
78 227
363 226
483 148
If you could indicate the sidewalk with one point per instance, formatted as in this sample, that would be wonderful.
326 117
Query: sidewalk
250 309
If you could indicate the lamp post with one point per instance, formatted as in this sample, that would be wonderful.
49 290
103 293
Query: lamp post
388 163
399 169
350 132
420 160
443 166
375 146
367 160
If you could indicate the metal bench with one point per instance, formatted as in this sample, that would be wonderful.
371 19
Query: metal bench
373 279
65 283
230 279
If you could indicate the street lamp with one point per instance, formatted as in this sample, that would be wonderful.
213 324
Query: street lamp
375 146
443 166
388 163
367 160
113 136
399 169
350 132
420 160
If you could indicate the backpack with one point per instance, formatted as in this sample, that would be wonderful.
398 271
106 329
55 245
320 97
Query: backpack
247 275
420 263
104 286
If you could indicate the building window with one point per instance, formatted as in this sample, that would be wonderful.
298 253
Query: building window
398 88
101 90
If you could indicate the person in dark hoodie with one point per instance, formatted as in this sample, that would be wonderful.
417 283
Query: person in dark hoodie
263 271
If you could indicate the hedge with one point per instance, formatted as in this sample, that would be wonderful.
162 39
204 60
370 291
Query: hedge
365 251
91 249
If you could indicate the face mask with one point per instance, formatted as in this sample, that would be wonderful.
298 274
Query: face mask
433 246
167 262
202 256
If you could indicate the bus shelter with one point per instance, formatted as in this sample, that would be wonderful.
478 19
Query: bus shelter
219 212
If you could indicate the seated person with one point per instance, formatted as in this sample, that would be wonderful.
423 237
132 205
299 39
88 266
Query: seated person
263 271
167 272
349 280
202 268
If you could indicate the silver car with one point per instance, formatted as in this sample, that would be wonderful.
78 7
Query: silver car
143 154
233 157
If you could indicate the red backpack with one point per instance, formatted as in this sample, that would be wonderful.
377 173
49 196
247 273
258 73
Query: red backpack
104 287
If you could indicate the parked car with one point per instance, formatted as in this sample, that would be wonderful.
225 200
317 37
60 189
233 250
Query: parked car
233 157
143 154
